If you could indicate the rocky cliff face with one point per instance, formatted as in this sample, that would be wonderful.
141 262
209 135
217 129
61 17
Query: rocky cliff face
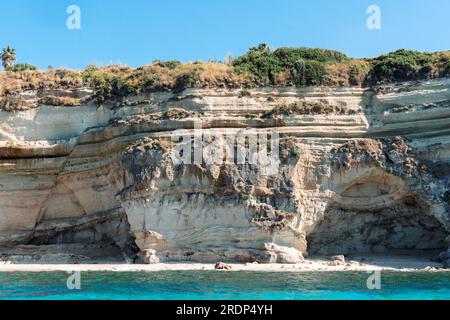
358 171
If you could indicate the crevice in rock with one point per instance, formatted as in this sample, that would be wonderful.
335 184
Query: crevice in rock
398 226
108 232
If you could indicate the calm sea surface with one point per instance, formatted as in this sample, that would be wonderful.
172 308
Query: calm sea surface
201 285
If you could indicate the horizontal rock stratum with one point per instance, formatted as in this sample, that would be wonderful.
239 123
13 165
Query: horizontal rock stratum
359 170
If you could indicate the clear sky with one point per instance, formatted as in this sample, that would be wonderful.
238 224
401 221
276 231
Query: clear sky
136 32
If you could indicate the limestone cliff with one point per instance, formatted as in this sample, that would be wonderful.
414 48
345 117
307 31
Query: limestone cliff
359 171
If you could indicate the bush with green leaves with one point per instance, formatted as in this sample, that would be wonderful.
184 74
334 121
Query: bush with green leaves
288 56
305 65
401 65
308 73
261 63
296 153
107 85
21 67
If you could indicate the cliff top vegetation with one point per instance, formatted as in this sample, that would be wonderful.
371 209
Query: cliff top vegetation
260 66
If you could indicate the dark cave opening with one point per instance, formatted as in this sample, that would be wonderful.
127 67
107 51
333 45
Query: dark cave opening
404 225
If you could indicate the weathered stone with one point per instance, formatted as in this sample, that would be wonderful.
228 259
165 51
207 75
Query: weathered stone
149 256
339 259
100 176
223 266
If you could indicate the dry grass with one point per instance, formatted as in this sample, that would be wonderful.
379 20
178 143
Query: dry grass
14 103
196 74
216 75
15 82
60 101
351 73
119 81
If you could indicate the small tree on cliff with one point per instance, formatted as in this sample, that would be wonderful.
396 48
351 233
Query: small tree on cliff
8 57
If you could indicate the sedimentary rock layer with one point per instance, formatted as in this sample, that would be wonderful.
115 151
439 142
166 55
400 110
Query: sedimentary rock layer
367 172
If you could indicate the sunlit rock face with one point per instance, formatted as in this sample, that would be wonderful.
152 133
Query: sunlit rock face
368 172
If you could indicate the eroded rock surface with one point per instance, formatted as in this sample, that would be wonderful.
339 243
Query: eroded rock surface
374 178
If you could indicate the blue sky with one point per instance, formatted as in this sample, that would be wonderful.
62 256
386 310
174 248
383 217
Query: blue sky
136 32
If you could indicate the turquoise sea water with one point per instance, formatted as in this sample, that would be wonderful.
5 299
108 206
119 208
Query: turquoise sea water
189 285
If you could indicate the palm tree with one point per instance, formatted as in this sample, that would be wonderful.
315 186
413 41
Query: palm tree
8 57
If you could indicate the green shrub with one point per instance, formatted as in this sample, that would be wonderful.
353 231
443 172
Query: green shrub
102 84
21 67
308 73
246 197
108 86
89 72
261 63
306 65
311 66
296 153
288 56
401 65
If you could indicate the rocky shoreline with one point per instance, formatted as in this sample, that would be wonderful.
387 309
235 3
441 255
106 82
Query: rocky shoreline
388 264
